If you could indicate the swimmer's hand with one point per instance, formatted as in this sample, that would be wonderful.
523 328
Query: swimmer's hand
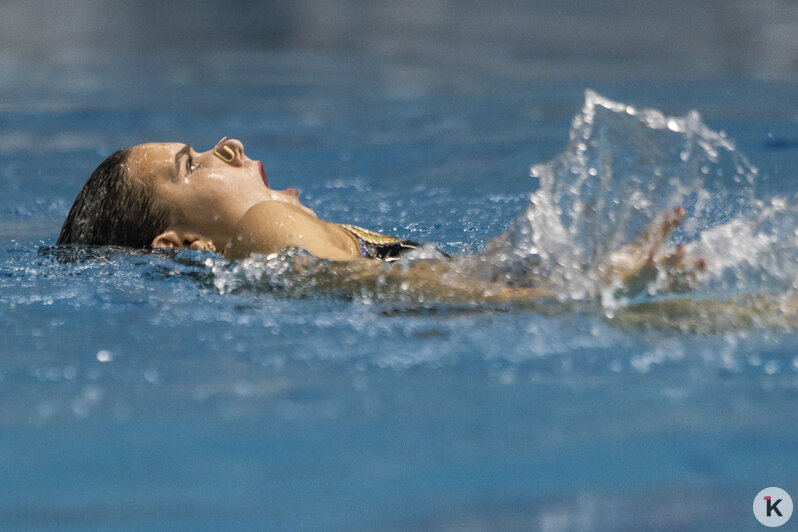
635 266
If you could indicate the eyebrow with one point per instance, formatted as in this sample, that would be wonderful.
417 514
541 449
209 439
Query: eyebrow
185 150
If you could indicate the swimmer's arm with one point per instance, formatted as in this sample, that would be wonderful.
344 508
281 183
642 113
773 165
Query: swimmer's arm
633 267
271 226
435 280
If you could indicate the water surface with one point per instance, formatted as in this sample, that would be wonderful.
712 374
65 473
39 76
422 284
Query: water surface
160 392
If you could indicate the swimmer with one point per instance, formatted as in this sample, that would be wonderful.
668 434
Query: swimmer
167 195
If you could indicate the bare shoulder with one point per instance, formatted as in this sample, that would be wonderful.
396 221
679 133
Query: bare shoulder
270 226
276 212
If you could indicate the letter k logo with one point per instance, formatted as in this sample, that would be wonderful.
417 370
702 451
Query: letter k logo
772 506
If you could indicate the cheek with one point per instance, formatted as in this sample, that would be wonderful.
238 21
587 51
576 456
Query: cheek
223 200
214 188
214 197
217 199
215 177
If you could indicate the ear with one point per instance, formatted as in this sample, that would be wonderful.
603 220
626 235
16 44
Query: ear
167 239
172 239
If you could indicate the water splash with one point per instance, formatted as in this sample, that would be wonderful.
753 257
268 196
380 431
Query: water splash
621 168
754 253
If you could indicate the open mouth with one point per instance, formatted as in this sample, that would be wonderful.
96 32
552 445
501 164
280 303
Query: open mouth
263 174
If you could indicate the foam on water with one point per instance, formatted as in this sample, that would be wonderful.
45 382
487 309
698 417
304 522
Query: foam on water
753 253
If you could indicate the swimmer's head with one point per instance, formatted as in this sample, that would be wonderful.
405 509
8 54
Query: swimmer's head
113 208
199 196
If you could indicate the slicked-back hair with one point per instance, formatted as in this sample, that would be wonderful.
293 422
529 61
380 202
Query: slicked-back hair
114 209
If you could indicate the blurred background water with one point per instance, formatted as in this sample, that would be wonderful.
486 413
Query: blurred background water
137 394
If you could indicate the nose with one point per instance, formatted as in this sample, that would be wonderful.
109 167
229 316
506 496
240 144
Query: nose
230 151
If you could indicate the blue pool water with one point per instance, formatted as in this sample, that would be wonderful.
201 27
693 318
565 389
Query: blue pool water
176 391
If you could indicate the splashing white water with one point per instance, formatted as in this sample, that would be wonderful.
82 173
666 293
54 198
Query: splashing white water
622 167
755 253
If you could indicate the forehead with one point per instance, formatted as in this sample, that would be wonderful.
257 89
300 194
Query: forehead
154 159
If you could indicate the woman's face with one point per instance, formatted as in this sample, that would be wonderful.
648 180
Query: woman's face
207 192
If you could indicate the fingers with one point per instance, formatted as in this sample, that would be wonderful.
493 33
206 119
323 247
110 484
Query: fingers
202 245
680 273
655 236
630 260
673 260
677 260
636 266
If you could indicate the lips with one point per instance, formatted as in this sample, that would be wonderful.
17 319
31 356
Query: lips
263 174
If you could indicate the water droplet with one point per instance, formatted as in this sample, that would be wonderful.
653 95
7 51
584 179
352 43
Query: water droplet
771 367
89 397
674 125
151 375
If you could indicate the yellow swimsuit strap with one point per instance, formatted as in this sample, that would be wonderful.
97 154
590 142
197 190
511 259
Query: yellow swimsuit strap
370 237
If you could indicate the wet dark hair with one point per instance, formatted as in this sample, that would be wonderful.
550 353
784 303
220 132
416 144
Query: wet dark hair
113 209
